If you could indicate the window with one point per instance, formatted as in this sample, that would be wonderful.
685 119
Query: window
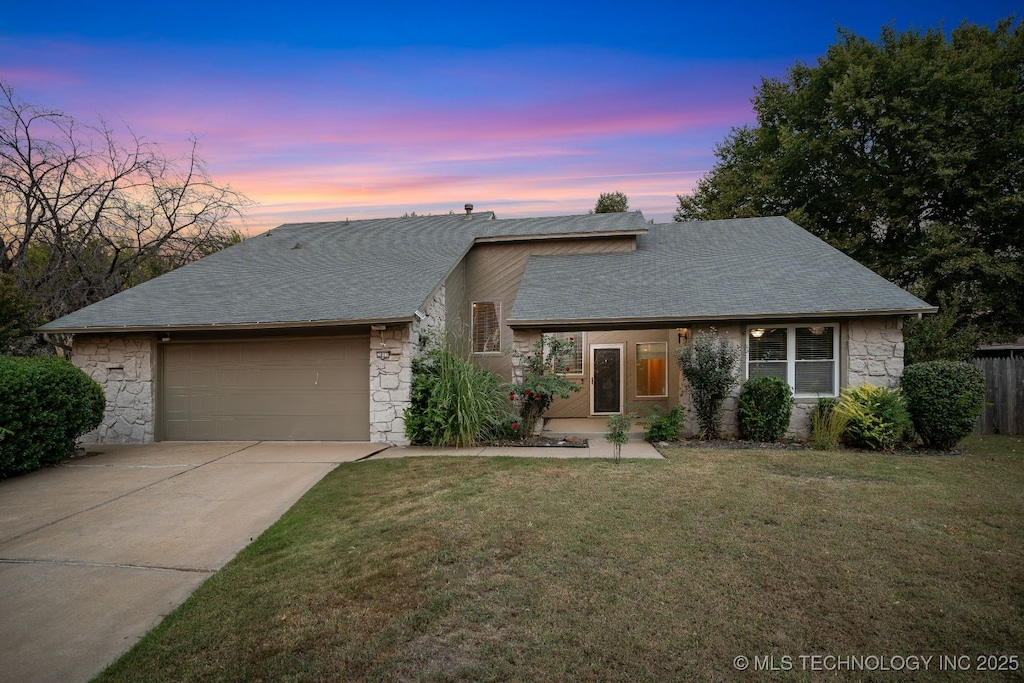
486 327
575 362
805 357
652 369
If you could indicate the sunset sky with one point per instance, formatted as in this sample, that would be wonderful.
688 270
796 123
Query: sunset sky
327 111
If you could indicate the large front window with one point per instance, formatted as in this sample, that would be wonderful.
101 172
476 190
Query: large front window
804 356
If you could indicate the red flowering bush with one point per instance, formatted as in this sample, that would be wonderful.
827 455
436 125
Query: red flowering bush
543 380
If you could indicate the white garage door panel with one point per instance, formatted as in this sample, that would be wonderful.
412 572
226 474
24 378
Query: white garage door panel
310 389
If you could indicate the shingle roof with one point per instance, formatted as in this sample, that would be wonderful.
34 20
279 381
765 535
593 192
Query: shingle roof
310 273
739 268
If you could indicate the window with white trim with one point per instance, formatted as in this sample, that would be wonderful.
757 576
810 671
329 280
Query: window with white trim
652 370
574 362
486 327
806 357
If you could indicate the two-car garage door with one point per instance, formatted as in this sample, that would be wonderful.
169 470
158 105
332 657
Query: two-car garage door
314 389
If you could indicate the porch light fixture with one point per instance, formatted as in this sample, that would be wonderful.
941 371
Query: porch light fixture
683 334
757 333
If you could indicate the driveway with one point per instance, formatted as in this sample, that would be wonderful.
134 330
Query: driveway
94 553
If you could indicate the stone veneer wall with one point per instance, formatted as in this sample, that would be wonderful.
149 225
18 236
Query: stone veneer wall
872 353
391 379
875 351
124 366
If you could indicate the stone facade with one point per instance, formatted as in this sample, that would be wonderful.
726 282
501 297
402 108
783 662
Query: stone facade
875 352
125 367
872 353
391 378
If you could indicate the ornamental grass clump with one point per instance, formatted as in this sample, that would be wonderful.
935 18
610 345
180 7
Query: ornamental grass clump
766 404
454 402
709 365
827 425
544 370
944 399
876 416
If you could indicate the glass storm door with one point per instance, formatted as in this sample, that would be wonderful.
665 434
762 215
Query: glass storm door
606 379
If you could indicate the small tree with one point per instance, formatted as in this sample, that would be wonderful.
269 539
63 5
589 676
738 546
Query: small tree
612 202
709 365
618 433
544 378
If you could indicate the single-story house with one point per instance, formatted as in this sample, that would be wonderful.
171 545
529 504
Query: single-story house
307 332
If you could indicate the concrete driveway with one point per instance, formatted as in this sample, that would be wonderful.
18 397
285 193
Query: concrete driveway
94 553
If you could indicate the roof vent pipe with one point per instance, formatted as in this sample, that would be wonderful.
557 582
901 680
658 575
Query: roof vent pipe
469 212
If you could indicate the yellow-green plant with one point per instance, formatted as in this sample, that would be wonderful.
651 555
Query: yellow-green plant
877 417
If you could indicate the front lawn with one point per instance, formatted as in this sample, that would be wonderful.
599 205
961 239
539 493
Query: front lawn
526 569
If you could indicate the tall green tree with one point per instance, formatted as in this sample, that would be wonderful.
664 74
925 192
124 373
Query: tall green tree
907 153
611 202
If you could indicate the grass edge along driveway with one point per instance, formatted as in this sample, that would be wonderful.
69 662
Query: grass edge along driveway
522 569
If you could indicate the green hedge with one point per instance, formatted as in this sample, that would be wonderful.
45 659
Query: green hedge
766 404
944 399
45 405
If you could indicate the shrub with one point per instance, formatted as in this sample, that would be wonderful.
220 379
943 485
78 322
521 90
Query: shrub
454 402
709 364
876 416
663 425
827 424
944 399
543 379
618 433
766 404
45 405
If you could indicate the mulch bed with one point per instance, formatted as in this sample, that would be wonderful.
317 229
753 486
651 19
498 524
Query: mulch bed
540 442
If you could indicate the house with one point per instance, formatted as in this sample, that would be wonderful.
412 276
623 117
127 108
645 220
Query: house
308 331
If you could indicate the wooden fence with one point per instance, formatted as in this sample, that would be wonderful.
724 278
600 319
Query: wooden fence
1004 396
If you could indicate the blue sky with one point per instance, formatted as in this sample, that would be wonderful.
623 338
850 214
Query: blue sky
320 111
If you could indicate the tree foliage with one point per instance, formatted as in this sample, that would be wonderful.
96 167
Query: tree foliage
906 153
611 202
87 210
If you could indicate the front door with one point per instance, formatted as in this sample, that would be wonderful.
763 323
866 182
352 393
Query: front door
606 379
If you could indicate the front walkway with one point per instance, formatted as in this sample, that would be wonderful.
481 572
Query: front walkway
596 448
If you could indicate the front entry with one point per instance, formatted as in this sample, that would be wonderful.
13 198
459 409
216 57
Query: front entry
606 379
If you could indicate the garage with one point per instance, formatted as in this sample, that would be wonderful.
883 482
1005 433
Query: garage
314 389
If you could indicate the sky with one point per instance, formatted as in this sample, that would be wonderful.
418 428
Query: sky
328 111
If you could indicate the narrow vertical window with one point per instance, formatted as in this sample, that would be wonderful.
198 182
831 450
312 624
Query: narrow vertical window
486 326
575 362
652 370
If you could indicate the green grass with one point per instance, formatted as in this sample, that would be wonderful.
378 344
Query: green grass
523 569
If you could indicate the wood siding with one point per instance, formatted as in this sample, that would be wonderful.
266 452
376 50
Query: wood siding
578 404
493 273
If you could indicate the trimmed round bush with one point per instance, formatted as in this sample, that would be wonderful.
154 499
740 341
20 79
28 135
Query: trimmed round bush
766 404
45 405
944 399
876 416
